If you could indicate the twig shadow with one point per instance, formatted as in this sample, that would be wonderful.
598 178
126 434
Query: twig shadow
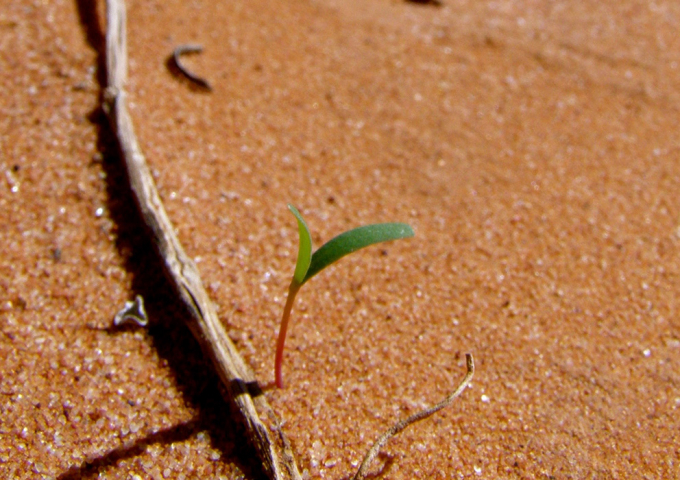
90 468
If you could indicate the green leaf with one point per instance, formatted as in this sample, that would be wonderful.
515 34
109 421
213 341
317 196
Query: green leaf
305 249
351 241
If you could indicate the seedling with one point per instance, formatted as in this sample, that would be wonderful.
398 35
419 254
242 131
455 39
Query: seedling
309 264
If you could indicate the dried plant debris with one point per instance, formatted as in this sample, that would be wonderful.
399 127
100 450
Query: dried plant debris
259 419
132 312
421 415
192 77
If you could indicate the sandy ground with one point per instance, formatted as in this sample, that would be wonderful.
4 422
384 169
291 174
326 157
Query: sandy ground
532 145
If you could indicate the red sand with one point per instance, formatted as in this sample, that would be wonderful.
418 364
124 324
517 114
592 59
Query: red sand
532 145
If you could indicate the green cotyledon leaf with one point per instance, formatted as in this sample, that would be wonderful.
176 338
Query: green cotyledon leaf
305 249
353 240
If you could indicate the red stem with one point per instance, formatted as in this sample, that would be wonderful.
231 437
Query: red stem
278 363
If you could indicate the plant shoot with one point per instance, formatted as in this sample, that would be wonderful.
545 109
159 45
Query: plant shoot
309 264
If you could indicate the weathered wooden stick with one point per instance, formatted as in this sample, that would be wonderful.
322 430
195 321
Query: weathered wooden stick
265 433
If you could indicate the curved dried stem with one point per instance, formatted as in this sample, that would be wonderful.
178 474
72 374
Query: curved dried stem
401 425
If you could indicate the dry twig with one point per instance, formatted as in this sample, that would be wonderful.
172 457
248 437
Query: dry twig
184 49
270 442
401 425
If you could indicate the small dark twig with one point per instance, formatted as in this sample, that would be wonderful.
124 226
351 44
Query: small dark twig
181 50
401 425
